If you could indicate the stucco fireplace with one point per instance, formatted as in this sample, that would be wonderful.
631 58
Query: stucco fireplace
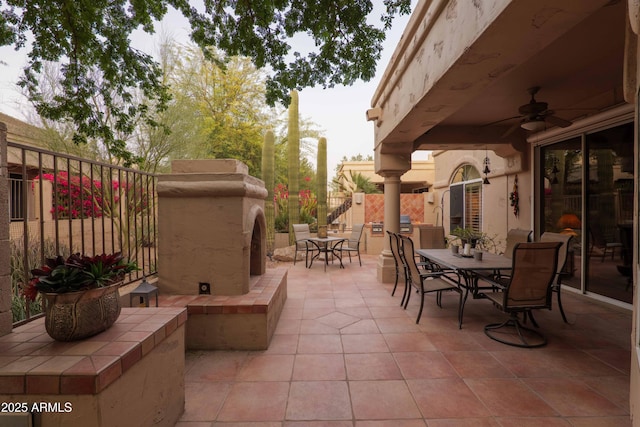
212 227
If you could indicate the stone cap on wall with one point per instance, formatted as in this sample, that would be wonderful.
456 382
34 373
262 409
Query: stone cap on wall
209 166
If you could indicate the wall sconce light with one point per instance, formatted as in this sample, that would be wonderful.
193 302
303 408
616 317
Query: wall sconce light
486 170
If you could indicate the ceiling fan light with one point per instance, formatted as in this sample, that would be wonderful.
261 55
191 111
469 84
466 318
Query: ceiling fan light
533 125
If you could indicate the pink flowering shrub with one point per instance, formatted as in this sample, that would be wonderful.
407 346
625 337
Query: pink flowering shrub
308 207
80 197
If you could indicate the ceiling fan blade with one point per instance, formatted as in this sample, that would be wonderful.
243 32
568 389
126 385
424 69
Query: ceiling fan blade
502 120
557 121
511 129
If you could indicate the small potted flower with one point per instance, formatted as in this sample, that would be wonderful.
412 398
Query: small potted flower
80 293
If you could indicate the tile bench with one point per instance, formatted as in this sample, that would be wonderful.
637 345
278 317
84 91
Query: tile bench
130 374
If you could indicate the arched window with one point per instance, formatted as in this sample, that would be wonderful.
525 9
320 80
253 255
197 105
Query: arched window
465 204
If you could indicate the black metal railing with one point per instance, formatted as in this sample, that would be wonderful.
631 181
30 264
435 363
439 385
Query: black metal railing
339 210
63 204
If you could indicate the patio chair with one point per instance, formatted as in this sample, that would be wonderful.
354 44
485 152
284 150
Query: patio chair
302 233
353 244
563 254
515 236
529 288
425 281
394 244
604 245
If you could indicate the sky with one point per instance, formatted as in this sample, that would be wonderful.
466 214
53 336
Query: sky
339 111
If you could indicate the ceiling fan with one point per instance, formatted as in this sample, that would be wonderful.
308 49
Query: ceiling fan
535 115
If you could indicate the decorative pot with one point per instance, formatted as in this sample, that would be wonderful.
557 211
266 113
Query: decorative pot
77 315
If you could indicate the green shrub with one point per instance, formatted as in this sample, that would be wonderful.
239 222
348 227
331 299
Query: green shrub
20 274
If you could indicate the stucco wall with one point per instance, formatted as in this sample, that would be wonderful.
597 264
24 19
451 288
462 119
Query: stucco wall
497 213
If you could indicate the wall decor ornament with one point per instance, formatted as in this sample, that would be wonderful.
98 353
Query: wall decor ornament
514 198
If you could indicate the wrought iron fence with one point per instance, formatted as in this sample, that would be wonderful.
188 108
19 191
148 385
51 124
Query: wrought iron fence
62 204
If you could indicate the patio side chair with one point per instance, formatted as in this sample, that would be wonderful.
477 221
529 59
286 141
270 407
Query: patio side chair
426 281
563 254
604 245
529 288
353 244
302 233
514 236
395 251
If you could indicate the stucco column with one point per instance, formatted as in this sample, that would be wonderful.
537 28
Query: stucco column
6 319
386 265
391 167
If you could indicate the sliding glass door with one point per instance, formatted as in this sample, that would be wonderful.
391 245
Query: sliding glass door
587 192
610 212
561 201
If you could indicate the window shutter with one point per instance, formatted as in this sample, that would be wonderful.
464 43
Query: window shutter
473 206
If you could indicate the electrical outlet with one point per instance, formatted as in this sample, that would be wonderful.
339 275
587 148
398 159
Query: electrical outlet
204 288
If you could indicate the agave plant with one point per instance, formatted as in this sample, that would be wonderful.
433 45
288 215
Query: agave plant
78 273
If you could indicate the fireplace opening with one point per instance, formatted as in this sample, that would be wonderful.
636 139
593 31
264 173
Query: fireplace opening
257 261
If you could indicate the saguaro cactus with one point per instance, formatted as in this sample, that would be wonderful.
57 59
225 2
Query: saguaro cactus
268 176
293 138
322 181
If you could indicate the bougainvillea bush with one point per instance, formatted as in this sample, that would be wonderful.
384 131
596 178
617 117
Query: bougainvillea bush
81 197
308 207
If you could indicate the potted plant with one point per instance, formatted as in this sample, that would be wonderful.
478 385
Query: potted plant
80 293
466 235
478 240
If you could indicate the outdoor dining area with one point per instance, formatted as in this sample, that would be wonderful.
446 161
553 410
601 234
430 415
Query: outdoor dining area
325 246
347 353
518 281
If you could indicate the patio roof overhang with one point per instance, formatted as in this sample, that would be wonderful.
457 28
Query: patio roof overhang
460 68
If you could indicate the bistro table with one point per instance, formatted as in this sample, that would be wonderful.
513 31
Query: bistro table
326 246
467 267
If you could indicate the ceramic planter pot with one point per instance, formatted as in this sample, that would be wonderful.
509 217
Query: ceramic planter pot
77 315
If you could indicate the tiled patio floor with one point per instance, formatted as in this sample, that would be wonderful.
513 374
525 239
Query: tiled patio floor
346 354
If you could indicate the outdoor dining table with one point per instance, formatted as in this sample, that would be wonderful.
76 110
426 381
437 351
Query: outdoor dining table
326 246
467 268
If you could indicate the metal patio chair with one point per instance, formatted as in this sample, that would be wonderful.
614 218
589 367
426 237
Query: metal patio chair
353 244
563 254
528 288
302 233
425 281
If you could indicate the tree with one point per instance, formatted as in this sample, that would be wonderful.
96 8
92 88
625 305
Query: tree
62 135
93 38
356 158
229 110
177 127
354 183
